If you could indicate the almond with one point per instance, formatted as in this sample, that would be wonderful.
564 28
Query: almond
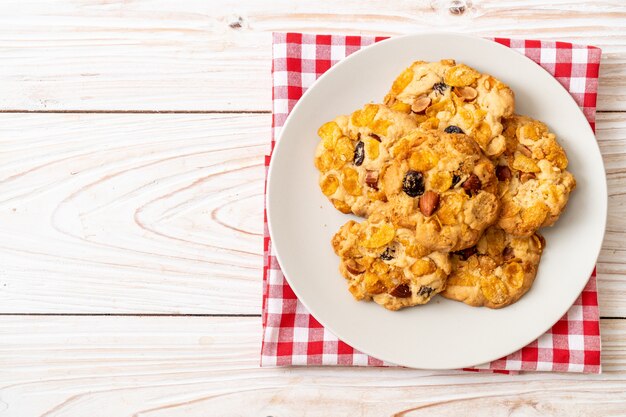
371 179
420 104
401 291
354 268
429 203
503 173
466 93
472 184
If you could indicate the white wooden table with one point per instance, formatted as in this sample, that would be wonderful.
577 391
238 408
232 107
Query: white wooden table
132 136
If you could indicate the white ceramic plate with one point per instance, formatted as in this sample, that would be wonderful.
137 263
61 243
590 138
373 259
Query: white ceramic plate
442 334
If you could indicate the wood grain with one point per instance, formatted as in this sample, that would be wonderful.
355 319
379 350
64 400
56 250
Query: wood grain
194 55
131 213
162 213
190 366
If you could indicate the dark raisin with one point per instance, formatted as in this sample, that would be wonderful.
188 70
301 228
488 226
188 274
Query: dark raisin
440 87
455 180
401 291
359 153
464 254
453 129
503 173
472 184
425 291
388 254
375 136
413 183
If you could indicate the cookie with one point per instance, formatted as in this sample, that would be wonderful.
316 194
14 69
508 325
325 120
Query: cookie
456 98
534 184
352 150
497 272
384 263
441 186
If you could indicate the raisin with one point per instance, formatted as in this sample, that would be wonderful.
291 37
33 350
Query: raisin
472 184
359 153
425 291
413 183
453 129
401 291
455 180
375 136
465 253
440 87
503 173
388 254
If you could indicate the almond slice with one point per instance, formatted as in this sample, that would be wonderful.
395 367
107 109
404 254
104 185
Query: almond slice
420 104
354 268
466 93
523 149
527 176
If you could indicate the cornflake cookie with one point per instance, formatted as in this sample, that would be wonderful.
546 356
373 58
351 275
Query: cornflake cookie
456 98
497 272
534 184
352 151
441 186
384 263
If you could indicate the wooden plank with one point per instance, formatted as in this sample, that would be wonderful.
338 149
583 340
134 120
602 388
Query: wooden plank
191 366
199 55
611 269
147 213
131 213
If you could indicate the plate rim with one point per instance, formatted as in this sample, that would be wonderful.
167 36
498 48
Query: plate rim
381 44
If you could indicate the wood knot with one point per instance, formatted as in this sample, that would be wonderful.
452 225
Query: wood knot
237 24
458 7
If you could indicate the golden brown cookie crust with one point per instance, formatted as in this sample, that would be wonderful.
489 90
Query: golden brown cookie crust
455 198
497 272
534 183
354 147
384 263
443 94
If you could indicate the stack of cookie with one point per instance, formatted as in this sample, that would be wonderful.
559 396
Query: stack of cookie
453 186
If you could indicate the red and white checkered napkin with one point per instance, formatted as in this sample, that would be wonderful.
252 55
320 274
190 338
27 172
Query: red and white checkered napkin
291 336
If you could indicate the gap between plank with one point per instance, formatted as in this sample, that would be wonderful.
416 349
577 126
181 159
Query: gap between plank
174 315
127 315
138 111
176 111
